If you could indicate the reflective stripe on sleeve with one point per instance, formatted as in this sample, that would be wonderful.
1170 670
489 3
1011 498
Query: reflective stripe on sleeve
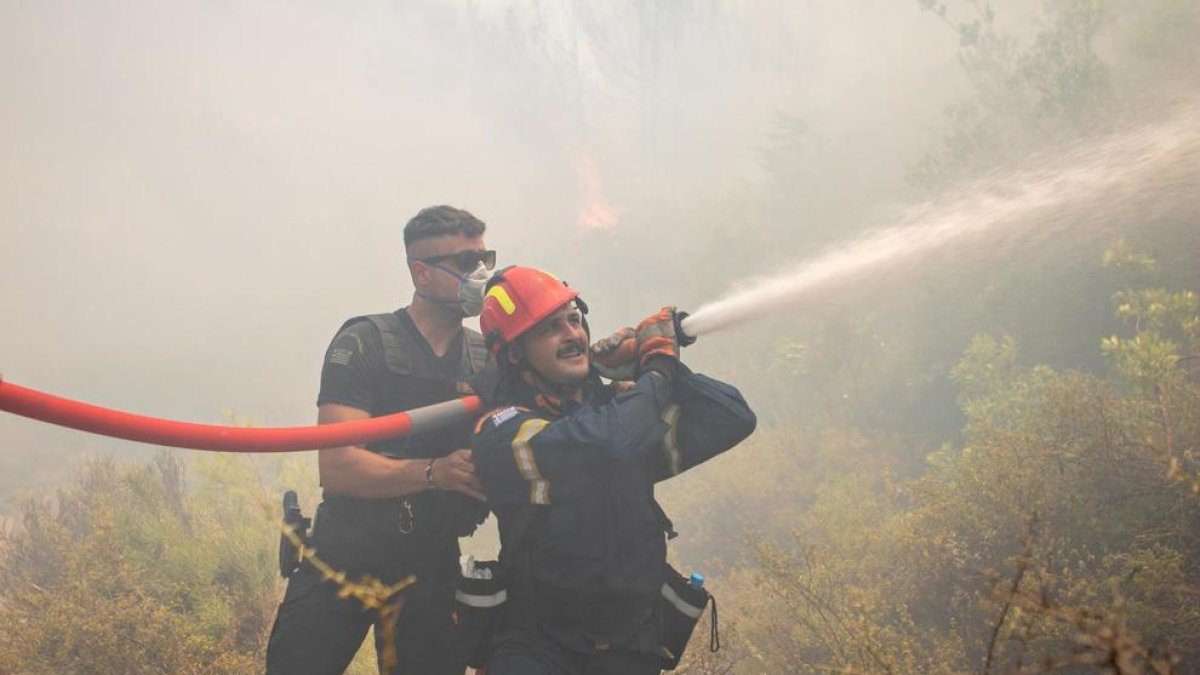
482 601
670 442
539 487
683 606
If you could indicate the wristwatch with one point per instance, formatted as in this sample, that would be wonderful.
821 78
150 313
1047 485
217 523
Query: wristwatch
429 474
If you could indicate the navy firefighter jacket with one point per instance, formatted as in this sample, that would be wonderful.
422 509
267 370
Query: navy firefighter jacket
598 537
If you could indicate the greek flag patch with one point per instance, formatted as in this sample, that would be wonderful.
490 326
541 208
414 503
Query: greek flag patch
501 416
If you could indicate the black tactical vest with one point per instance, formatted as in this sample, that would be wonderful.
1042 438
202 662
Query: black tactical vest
414 384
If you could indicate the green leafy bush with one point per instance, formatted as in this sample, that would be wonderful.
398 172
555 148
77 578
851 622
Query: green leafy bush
128 570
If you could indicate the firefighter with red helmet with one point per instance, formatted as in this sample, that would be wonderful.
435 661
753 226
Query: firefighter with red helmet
569 466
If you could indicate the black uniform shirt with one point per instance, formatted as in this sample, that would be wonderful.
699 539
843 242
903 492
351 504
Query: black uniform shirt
354 373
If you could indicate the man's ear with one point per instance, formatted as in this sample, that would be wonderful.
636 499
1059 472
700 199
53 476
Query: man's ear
515 353
420 275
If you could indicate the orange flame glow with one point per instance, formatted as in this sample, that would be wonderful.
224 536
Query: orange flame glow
594 209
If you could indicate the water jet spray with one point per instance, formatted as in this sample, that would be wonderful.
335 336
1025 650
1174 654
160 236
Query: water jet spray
1092 185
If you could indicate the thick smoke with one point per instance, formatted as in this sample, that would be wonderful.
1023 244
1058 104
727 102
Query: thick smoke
195 196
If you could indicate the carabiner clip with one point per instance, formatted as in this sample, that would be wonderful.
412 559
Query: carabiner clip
407 520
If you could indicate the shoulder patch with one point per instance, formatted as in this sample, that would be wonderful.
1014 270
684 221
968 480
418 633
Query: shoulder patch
503 415
499 416
343 349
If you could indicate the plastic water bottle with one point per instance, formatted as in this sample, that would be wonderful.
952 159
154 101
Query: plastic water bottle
696 580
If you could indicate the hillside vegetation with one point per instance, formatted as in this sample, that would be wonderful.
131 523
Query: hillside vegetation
995 469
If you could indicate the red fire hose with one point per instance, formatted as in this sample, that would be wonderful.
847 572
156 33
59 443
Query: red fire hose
105 421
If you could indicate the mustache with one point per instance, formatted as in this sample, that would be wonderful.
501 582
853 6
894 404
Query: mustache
572 347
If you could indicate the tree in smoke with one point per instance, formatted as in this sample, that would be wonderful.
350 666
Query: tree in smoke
1053 89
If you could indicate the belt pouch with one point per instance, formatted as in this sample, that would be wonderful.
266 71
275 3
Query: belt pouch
479 604
682 605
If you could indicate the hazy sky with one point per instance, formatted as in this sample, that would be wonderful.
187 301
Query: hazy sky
194 195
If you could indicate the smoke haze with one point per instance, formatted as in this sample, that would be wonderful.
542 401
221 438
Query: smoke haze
196 195
966 232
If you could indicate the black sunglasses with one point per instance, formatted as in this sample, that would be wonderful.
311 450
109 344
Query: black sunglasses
465 261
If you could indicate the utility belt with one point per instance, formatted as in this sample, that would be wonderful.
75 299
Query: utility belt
434 514
357 535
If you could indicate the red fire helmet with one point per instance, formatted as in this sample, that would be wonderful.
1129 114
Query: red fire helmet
516 299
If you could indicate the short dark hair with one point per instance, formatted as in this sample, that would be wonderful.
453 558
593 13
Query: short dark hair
436 221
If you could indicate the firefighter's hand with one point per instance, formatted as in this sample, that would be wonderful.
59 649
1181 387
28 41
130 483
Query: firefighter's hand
616 356
456 472
657 336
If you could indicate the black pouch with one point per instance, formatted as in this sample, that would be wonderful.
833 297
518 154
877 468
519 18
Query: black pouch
682 605
479 605
294 520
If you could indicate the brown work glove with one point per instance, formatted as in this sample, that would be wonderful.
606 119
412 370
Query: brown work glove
657 336
616 356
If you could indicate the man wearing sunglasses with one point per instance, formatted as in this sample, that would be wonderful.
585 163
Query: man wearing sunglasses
397 507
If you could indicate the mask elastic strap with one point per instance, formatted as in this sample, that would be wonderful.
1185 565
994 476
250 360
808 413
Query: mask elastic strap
454 273
457 275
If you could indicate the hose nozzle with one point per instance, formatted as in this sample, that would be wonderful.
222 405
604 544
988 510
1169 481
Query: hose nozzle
681 332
